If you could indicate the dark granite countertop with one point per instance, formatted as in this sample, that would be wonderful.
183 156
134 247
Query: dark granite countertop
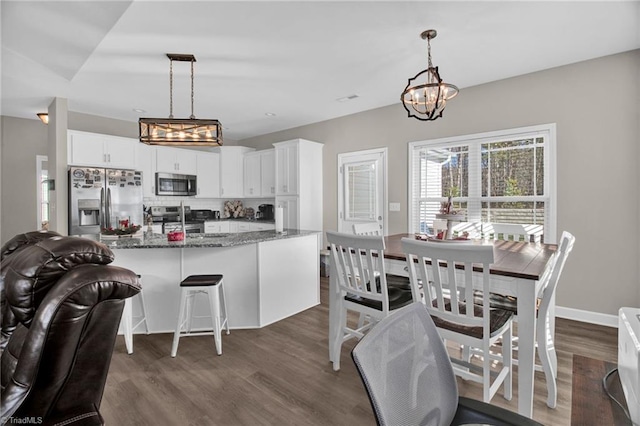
201 240
240 219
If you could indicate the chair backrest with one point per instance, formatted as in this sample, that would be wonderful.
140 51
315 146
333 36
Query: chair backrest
358 261
367 228
455 283
548 289
472 230
406 370
69 303
514 232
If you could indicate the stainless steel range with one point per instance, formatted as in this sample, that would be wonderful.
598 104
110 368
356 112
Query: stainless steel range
171 219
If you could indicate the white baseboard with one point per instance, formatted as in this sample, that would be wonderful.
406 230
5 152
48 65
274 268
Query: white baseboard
587 316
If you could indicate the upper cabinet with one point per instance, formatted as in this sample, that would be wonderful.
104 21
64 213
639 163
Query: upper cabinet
268 172
92 149
252 182
231 170
146 163
176 160
287 164
259 174
299 183
208 172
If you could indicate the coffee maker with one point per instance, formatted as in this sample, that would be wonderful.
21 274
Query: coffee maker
265 212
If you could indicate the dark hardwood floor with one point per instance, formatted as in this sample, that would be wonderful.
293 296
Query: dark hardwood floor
281 375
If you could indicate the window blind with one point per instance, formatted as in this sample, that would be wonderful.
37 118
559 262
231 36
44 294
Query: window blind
500 177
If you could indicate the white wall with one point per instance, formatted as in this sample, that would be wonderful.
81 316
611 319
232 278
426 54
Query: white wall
596 107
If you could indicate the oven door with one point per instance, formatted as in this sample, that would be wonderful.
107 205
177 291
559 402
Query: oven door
189 228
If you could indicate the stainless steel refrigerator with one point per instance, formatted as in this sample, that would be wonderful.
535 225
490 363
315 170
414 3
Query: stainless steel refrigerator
98 198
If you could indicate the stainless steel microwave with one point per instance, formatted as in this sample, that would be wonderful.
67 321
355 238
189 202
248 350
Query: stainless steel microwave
172 184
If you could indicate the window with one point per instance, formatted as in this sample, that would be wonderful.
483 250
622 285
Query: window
502 177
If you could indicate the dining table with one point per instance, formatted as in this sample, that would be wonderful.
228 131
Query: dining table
516 271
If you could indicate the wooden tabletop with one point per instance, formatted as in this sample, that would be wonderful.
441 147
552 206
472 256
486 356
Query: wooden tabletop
511 258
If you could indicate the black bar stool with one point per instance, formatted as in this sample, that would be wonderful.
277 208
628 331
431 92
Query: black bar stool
212 285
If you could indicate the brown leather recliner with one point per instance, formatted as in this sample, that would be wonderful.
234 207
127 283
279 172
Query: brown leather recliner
67 302
14 245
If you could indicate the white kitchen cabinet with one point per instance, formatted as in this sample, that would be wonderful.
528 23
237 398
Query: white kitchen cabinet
287 165
262 226
145 162
208 172
94 149
233 227
216 227
231 170
244 227
290 214
176 160
252 174
299 183
268 172
260 174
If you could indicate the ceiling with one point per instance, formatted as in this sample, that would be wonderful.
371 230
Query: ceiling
294 59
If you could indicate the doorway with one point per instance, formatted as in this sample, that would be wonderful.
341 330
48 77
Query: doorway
362 189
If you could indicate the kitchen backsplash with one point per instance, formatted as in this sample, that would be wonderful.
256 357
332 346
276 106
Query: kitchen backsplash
205 203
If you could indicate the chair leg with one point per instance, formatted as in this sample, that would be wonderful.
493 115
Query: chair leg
549 360
214 301
337 346
191 296
176 335
507 360
143 307
127 325
486 373
224 308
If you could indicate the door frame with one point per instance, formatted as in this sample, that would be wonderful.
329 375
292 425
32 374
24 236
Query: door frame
385 179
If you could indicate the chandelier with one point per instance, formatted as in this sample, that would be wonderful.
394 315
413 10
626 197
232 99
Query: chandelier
426 98
180 131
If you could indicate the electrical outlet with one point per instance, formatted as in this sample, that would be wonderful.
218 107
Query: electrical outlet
394 207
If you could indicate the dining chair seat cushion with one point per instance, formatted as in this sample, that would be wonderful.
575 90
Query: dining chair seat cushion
399 282
499 318
501 301
397 299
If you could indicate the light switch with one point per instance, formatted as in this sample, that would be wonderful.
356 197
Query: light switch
394 207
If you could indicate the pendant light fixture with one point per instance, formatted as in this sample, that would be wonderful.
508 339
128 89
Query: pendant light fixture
180 131
426 94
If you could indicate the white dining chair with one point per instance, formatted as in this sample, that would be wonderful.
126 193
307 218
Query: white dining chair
367 228
457 317
545 342
362 283
530 233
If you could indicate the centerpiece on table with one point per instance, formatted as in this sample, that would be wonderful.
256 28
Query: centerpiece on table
125 229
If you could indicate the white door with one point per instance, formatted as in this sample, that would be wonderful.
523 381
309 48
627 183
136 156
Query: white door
362 189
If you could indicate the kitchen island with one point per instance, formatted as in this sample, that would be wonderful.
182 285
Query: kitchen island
268 276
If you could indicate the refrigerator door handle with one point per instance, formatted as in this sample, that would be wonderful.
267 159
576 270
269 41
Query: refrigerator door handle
108 209
102 209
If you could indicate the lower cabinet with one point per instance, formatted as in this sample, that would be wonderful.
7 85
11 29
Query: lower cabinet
227 227
216 227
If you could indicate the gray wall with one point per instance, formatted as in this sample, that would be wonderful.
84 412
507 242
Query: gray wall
595 105
22 140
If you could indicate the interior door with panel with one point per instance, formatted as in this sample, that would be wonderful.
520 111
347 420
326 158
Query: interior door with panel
362 187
